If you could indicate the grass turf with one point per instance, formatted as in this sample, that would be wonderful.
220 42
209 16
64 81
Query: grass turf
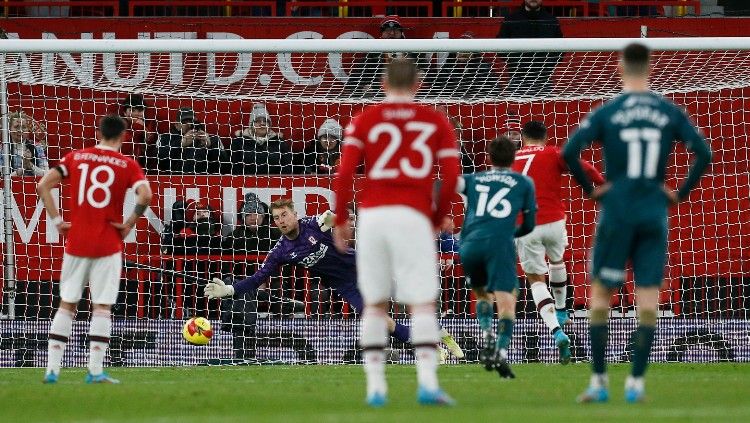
677 392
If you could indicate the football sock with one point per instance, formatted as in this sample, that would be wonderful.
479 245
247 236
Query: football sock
401 333
598 334
545 305
99 332
59 332
373 338
484 314
558 282
642 339
504 332
425 336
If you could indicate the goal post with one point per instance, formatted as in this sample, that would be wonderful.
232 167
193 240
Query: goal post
225 126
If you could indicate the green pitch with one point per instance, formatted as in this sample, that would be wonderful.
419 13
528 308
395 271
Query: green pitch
677 392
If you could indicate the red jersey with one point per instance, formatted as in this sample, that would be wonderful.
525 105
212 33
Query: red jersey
401 143
545 166
99 178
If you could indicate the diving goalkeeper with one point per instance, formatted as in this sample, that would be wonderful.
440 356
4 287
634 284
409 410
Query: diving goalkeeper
308 242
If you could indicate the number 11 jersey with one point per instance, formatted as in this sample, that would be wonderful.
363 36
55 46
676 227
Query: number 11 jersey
99 179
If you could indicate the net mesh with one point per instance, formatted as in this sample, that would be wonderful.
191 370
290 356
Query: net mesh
234 168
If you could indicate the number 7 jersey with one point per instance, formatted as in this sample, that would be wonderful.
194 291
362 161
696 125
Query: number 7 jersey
99 179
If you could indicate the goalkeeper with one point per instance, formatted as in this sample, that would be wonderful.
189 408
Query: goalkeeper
308 242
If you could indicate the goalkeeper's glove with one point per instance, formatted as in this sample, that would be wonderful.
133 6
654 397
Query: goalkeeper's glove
218 289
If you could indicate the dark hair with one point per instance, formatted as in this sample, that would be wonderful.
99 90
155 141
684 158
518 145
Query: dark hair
635 59
402 73
111 127
502 151
534 130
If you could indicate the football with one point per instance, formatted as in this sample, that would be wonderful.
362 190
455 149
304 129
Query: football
197 331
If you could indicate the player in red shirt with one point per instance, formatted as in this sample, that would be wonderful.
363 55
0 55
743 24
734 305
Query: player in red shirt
99 179
400 143
545 166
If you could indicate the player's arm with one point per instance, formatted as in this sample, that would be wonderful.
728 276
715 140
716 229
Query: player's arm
695 142
528 213
51 179
591 171
351 156
448 162
218 289
587 132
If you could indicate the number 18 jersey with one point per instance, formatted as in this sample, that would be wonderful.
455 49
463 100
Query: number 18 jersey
99 179
494 200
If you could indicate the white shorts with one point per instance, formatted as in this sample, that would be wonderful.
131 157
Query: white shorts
549 239
101 273
396 256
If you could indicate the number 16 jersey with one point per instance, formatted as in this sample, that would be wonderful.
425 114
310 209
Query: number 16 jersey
99 179
494 200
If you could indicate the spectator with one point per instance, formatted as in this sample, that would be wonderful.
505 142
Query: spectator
323 154
364 78
514 136
139 140
257 150
465 75
27 158
530 73
253 234
467 160
188 148
199 234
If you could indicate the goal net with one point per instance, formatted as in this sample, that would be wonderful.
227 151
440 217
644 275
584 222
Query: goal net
224 127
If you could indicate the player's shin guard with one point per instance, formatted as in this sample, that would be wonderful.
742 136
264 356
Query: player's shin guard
545 305
59 332
598 333
99 332
504 332
642 339
425 336
373 338
558 283
484 315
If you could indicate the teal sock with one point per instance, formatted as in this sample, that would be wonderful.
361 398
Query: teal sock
643 338
504 333
598 334
484 315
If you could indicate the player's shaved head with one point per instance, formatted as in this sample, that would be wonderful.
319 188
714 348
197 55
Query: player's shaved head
636 58
502 151
401 74
534 131
111 127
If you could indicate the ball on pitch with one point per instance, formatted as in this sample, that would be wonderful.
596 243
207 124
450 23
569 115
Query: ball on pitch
197 331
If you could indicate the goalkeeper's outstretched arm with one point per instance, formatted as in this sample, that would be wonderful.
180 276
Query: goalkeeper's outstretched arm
218 289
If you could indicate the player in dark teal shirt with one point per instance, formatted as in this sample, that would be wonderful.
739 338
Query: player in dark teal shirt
637 130
494 200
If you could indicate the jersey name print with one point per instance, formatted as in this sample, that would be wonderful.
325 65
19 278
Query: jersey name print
99 179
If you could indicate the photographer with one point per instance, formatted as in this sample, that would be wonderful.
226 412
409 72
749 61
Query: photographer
188 148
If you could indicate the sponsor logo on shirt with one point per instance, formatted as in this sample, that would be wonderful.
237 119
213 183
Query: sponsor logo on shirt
315 257
312 240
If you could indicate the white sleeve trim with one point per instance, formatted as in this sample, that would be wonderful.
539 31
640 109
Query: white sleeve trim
139 183
63 169
354 141
447 152
460 185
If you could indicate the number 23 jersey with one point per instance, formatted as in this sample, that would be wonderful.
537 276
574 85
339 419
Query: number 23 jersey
99 179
